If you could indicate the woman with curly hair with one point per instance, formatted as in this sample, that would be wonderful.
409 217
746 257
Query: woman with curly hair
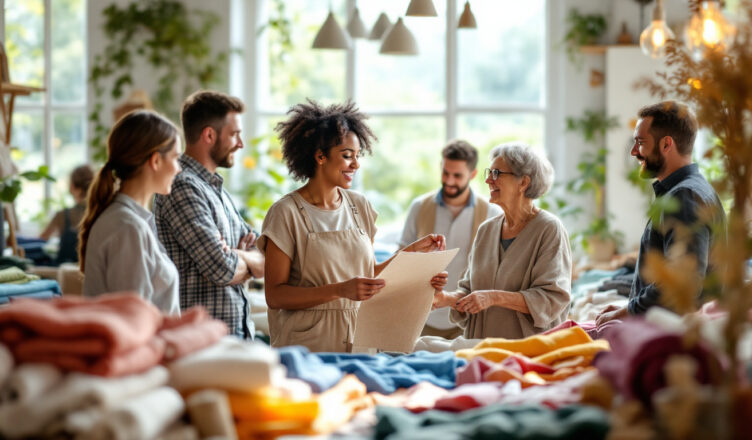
318 239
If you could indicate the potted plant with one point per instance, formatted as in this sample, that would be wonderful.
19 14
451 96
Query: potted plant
597 239
10 188
584 29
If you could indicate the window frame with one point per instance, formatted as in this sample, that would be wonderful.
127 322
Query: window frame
46 106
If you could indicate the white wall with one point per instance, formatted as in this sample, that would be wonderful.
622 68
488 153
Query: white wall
144 77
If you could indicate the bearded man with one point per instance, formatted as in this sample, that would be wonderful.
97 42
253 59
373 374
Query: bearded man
198 223
663 141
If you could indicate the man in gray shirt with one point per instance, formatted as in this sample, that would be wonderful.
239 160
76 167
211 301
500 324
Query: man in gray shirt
454 211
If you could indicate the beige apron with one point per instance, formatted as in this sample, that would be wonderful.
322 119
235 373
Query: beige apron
329 257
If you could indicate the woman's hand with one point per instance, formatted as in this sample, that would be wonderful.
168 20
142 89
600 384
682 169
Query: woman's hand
475 302
360 289
443 299
429 243
439 280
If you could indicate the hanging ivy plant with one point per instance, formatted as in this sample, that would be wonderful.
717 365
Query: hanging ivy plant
164 35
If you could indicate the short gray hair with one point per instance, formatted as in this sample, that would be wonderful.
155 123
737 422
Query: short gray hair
525 161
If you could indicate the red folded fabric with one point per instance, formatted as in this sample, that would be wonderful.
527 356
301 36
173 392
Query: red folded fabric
120 322
190 332
639 352
110 335
136 360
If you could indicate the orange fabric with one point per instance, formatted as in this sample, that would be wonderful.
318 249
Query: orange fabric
491 354
269 406
339 403
190 332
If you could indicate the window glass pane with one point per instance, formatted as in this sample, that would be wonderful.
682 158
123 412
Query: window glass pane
289 73
24 43
68 152
503 60
28 128
404 164
485 131
68 73
263 178
399 81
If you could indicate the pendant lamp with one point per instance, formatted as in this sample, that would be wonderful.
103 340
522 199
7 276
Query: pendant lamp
380 27
421 8
331 35
467 19
653 39
708 30
399 41
355 26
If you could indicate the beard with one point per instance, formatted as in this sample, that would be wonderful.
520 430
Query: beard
457 193
652 164
223 158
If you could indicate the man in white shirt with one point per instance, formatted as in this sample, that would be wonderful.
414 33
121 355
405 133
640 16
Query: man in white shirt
454 211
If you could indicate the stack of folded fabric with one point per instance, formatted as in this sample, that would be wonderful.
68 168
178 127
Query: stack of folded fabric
89 368
15 283
248 380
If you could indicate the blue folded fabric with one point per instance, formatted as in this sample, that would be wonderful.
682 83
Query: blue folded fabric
381 373
308 367
7 290
44 294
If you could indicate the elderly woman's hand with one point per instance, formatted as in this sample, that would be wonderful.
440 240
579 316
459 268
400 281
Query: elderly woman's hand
476 301
444 299
429 243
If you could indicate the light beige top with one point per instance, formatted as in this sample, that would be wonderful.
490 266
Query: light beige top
538 264
319 258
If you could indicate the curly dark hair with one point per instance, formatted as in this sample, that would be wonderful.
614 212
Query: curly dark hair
312 127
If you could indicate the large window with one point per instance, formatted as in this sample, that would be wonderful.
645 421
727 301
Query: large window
486 85
46 45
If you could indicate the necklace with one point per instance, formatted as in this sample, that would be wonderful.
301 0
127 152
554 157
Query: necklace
321 203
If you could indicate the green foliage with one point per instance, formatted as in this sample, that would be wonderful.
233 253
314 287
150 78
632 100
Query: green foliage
593 126
662 206
583 29
10 187
164 35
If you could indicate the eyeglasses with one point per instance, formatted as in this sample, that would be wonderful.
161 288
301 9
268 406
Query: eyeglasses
494 173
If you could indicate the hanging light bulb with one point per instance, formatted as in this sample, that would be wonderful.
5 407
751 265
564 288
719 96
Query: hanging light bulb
331 35
653 39
355 27
708 30
467 19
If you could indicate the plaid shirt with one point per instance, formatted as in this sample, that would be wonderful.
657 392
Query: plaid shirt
190 221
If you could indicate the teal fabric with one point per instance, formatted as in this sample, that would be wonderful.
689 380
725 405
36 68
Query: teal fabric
493 422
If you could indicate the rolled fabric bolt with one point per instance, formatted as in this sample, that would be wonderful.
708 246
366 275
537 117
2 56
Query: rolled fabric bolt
141 418
6 364
210 414
28 382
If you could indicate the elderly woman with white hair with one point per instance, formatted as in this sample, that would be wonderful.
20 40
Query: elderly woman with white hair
520 267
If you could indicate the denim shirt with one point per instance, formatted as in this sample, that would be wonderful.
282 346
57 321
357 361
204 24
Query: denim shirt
690 189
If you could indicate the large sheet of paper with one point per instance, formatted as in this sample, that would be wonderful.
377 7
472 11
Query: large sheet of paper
393 319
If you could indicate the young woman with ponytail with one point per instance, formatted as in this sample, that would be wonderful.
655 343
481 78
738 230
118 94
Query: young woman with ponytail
118 246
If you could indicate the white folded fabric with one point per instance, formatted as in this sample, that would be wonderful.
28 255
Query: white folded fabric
29 381
437 344
181 431
143 417
6 364
230 364
74 393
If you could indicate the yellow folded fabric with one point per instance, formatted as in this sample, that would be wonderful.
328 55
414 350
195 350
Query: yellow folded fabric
491 354
538 344
586 351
